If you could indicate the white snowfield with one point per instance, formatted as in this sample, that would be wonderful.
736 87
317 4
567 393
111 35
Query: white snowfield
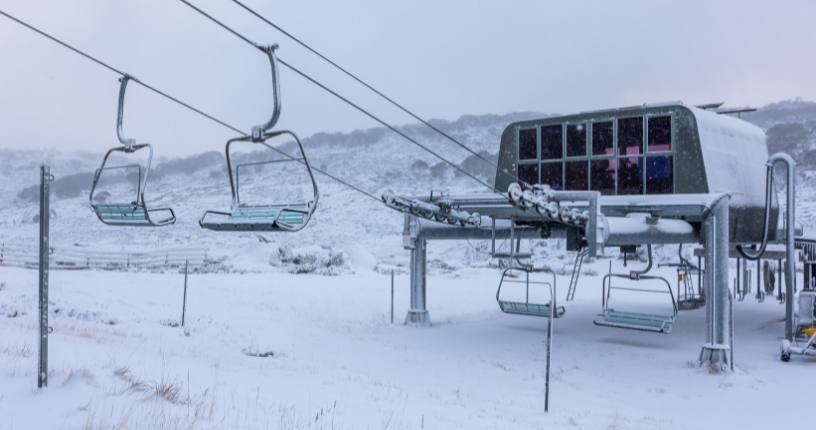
286 351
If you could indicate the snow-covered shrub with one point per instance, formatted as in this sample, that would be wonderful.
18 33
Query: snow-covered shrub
318 260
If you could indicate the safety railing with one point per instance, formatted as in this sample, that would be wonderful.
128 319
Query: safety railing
25 255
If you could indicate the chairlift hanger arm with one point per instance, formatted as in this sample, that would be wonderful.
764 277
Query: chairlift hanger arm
399 106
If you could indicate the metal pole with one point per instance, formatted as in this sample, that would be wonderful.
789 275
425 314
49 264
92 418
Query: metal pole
738 287
549 347
392 296
45 211
184 306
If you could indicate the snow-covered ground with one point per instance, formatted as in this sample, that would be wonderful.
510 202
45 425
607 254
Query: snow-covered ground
307 351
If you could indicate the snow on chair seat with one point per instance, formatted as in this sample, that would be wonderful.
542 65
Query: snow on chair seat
655 323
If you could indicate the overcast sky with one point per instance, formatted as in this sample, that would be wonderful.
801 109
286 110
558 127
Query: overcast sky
442 59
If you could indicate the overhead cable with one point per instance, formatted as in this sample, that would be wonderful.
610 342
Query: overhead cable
210 117
404 109
370 115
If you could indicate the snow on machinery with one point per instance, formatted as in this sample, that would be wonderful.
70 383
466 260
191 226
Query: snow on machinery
661 173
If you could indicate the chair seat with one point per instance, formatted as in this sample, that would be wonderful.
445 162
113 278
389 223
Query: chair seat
655 323
257 218
128 213
530 309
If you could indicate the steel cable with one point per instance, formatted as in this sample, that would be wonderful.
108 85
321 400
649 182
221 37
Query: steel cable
370 115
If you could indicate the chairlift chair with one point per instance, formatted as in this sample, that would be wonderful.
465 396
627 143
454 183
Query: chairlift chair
631 320
527 308
285 217
135 213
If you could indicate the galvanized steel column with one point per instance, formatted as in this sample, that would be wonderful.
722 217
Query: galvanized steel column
418 314
45 190
717 348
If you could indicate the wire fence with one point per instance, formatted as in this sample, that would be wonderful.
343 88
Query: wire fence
25 255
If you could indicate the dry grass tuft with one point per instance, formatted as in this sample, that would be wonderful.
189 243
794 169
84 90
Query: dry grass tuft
16 351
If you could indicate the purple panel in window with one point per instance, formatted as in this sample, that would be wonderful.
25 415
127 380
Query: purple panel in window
577 177
552 175
552 142
576 140
528 173
602 176
527 144
630 176
602 138
659 177
630 136
660 134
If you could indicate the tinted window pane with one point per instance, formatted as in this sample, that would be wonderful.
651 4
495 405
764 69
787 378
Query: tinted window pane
576 140
630 176
630 136
602 138
551 174
659 178
660 134
552 142
527 145
528 173
577 177
602 176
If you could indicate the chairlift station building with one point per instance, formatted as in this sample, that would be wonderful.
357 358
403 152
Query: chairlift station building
649 150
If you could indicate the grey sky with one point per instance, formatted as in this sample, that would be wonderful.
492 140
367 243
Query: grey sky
440 59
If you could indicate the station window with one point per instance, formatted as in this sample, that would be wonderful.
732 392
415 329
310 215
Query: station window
528 173
576 140
602 176
630 176
552 174
552 142
659 134
602 138
630 136
577 175
659 178
527 144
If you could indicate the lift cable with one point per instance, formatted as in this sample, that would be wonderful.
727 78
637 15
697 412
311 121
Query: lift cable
370 115
431 126
210 117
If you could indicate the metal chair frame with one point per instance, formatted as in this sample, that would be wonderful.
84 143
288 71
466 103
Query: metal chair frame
518 308
667 322
129 146
260 134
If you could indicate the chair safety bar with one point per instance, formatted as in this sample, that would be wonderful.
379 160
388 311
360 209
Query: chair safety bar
288 217
133 214
632 320
527 308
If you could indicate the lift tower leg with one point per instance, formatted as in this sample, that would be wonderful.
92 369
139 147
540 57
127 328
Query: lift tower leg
717 349
418 315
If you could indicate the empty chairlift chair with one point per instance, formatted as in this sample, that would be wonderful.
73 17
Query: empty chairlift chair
134 213
632 320
284 217
511 276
